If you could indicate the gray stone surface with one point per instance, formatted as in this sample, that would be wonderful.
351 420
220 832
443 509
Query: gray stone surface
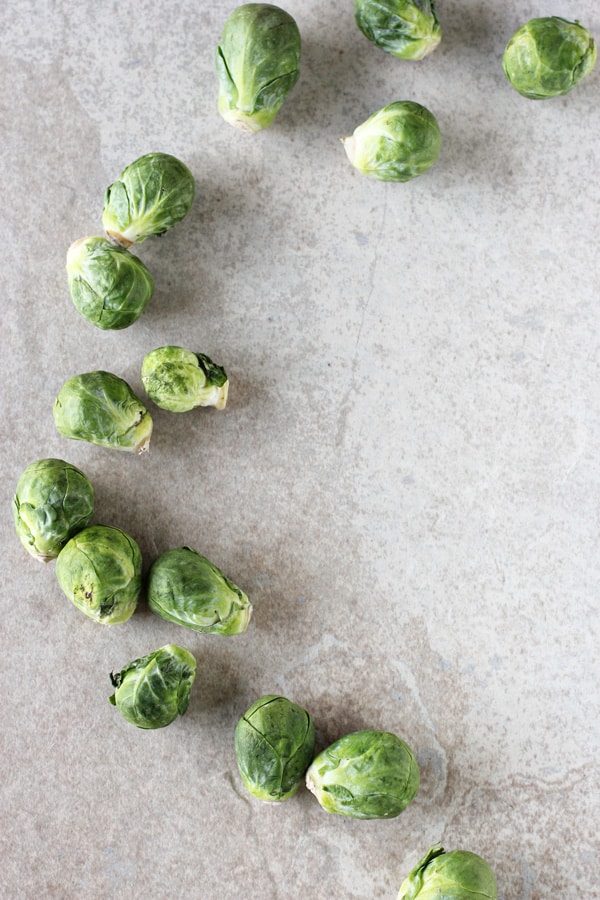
405 479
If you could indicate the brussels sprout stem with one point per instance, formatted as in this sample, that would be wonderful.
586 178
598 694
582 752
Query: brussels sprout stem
430 45
143 445
244 617
118 239
242 121
145 424
311 785
349 147
221 396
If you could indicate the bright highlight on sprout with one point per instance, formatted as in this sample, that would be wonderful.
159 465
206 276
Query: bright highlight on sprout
257 64
408 29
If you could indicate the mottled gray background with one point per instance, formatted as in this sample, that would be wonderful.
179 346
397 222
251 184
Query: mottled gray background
405 479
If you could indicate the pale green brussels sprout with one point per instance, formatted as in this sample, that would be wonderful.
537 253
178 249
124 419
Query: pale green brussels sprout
100 571
257 64
150 196
53 501
152 691
366 775
409 29
186 588
547 57
274 745
179 380
396 143
109 286
101 408
454 875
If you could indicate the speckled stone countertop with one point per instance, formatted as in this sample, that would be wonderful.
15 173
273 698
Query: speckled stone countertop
405 479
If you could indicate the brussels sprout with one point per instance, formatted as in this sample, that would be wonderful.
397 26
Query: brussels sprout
409 29
547 57
178 380
152 691
396 143
457 875
150 196
109 286
257 64
53 501
366 775
100 571
101 408
274 745
184 587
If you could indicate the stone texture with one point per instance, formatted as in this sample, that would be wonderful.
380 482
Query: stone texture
405 479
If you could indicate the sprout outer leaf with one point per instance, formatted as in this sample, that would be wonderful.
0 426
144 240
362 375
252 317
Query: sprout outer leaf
548 56
408 29
151 195
368 774
53 501
109 286
186 588
274 745
397 143
100 571
453 875
150 692
101 408
179 380
257 63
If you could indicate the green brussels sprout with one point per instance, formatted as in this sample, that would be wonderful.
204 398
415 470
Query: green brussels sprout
257 64
109 286
53 501
366 775
152 691
184 587
101 408
396 143
179 380
408 29
457 875
547 57
274 745
150 196
100 571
